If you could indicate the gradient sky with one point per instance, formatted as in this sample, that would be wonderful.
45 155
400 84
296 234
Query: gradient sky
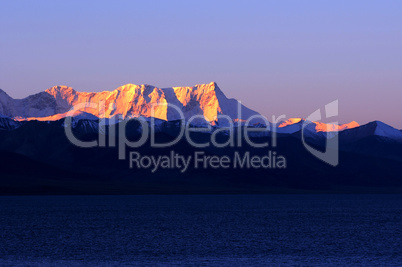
277 57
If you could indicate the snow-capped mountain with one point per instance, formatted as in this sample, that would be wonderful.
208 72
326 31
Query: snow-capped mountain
205 100
374 128
34 141
294 125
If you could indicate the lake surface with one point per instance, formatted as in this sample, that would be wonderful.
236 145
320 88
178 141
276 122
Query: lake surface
201 230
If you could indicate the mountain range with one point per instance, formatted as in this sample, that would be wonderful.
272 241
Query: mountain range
37 158
126 102
130 101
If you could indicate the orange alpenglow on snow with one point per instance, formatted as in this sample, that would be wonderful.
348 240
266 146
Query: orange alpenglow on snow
77 114
289 122
320 126
323 127
137 100
206 101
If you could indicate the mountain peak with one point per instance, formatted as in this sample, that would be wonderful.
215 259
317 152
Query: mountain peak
289 121
4 94
319 126
60 88
208 87
211 84
63 89
374 128
382 129
325 127
377 124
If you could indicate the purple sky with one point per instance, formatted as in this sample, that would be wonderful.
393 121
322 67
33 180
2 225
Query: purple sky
277 57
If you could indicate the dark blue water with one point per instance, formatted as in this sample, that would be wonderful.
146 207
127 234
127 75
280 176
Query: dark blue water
201 230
